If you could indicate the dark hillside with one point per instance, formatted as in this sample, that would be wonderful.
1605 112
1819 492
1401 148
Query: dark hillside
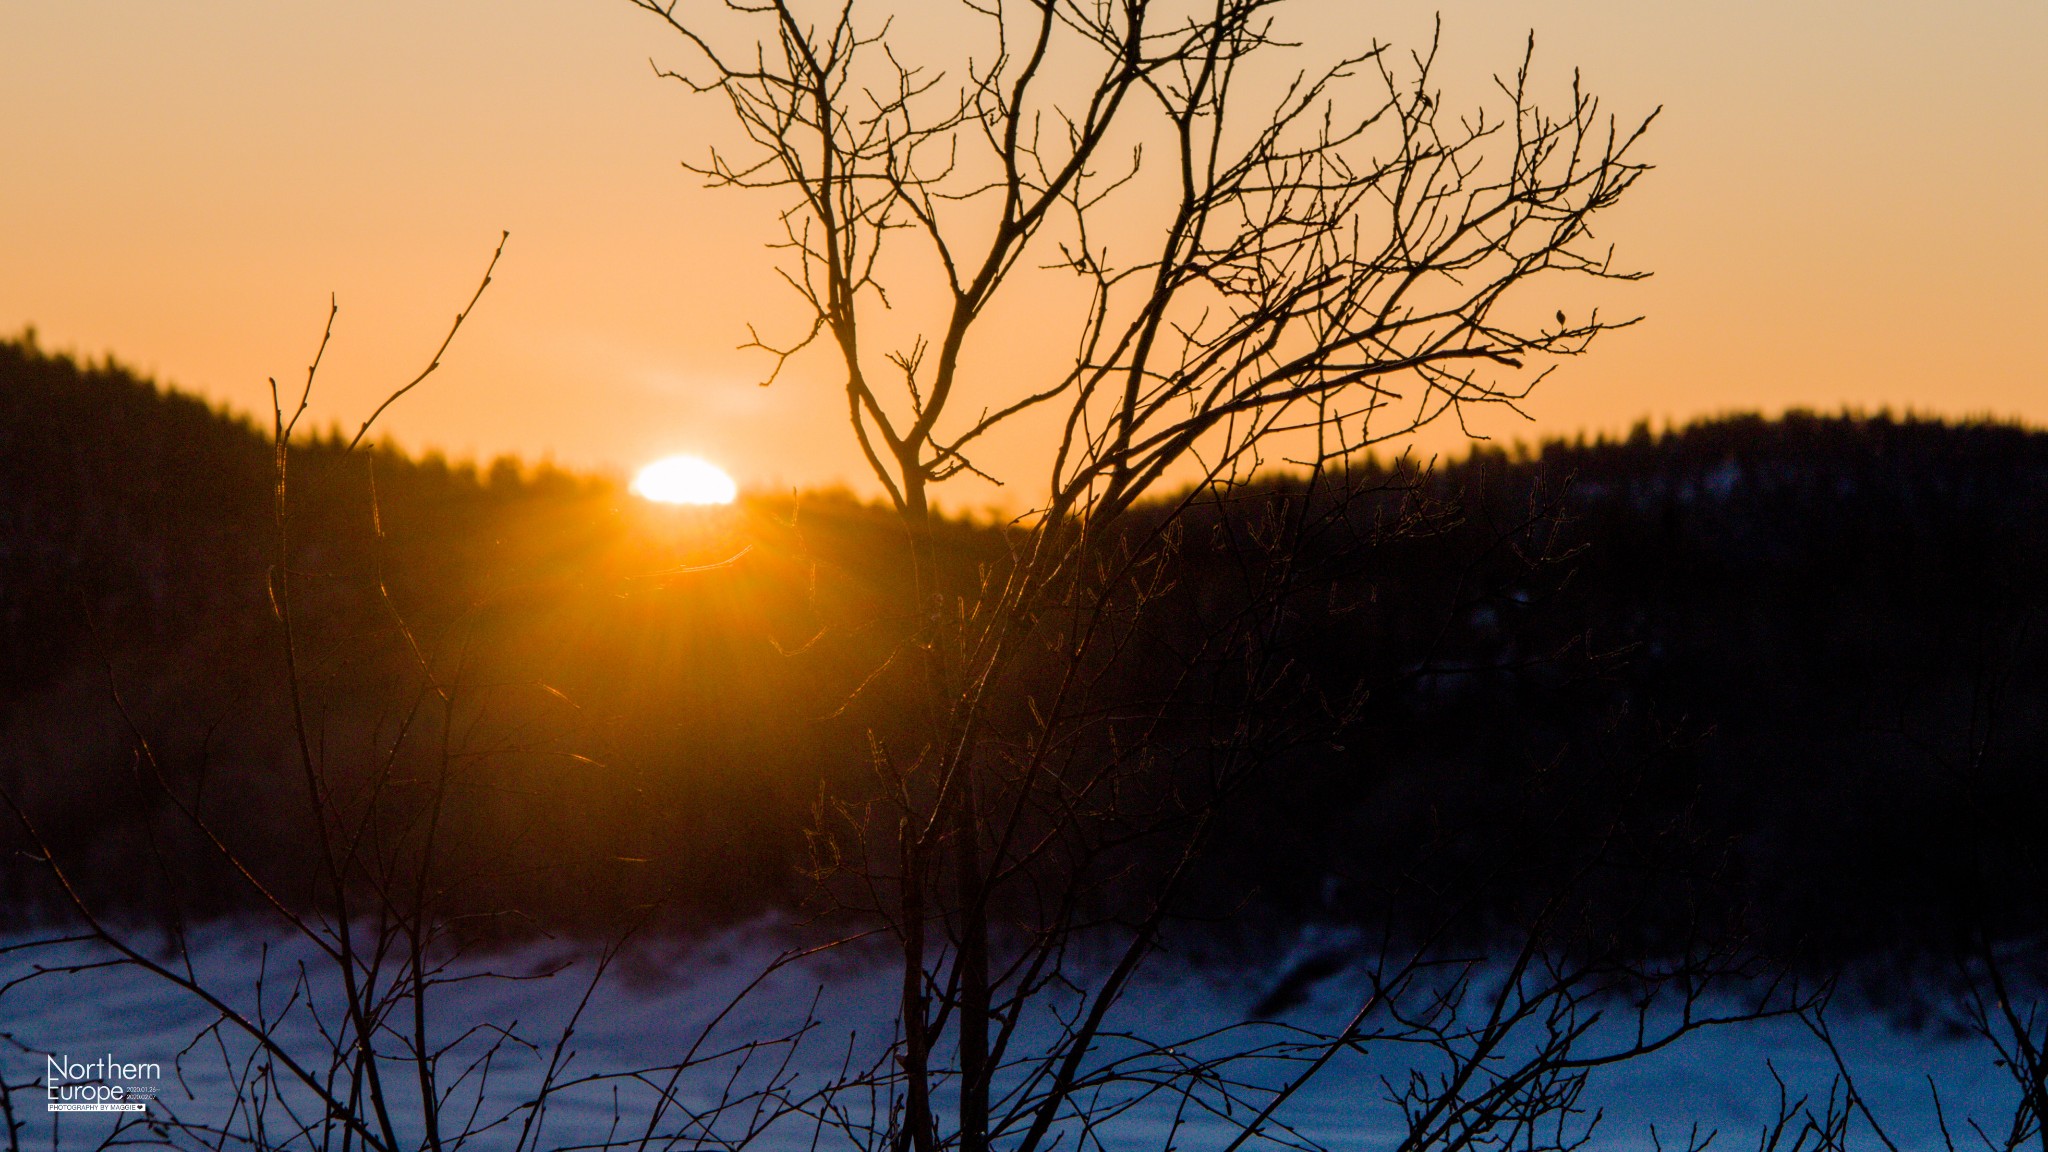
643 734
1776 679
1791 671
147 505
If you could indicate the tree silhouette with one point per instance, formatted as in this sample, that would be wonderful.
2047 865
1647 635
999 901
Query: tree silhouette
1321 265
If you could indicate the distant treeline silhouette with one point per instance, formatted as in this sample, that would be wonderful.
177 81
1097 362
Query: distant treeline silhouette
1781 674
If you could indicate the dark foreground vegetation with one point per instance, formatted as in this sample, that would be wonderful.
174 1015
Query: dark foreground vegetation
1768 680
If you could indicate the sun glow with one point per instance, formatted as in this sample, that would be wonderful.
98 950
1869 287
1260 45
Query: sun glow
684 480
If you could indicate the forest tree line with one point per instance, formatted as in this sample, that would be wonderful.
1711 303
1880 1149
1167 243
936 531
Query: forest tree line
1770 679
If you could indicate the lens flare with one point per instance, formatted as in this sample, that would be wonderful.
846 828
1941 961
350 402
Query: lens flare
684 480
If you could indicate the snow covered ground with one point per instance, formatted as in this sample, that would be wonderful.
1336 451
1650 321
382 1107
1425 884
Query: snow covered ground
654 1004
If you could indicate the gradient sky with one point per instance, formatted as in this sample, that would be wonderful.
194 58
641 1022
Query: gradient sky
1850 208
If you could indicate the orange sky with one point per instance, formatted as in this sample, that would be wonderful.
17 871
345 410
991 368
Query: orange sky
1850 207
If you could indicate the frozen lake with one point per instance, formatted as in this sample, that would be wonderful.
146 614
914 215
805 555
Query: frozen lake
502 1018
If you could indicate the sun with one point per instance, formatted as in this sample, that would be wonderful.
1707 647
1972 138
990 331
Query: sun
684 480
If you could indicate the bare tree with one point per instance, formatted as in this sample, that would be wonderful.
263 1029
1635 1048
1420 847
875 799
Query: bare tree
346 1030
1316 265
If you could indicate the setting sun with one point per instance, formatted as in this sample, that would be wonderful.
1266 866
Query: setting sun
684 480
